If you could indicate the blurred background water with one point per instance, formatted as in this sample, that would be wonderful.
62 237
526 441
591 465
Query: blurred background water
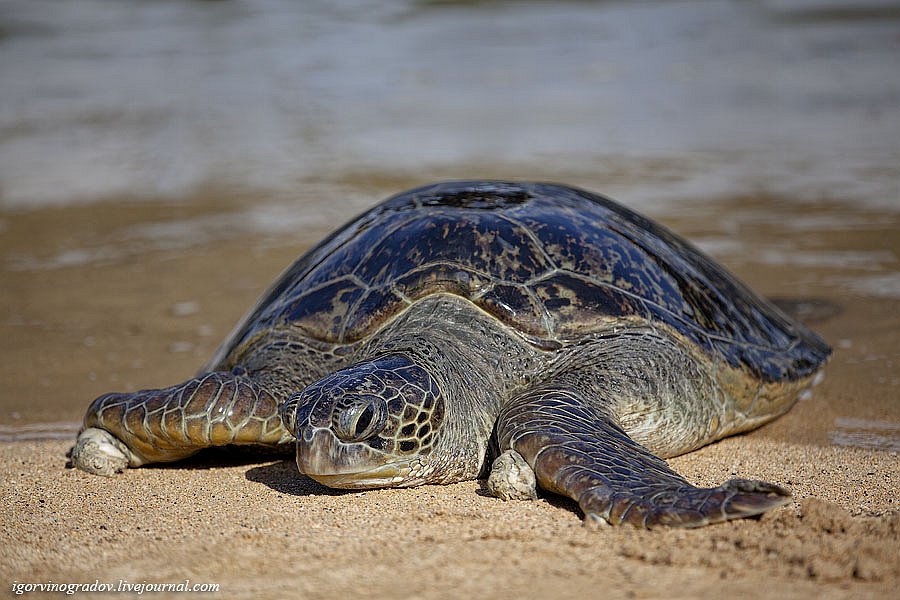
138 138
157 99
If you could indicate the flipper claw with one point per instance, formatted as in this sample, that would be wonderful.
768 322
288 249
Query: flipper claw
100 452
511 478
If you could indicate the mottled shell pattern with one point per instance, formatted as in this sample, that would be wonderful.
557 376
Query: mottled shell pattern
553 263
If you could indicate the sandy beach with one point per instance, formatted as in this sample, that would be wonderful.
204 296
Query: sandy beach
259 529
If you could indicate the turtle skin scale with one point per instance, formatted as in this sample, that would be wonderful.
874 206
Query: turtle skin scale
554 330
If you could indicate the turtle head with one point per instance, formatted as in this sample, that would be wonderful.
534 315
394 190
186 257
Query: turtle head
373 424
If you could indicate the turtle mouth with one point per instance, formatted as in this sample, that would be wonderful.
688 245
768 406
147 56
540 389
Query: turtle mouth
383 476
355 466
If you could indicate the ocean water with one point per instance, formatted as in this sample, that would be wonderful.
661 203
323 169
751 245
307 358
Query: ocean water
124 99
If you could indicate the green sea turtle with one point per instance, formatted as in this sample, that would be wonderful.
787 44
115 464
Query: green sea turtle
534 332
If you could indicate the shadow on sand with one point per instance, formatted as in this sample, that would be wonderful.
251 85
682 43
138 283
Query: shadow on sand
282 476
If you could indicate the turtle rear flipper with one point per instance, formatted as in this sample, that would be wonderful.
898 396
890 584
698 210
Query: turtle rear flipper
150 426
577 451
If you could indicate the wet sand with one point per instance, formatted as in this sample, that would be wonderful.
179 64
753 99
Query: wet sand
149 315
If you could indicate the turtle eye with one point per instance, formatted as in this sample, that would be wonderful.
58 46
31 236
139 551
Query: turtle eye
361 420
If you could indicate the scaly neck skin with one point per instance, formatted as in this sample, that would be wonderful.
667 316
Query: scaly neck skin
476 363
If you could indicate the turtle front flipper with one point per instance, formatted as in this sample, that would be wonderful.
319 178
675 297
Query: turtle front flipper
214 409
578 451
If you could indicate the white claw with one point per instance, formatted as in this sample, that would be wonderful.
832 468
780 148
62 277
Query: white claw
594 521
512 478
99 452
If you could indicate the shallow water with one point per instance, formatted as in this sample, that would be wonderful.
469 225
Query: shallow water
157 99
162 155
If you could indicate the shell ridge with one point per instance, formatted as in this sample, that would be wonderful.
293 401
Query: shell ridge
294 299
533 237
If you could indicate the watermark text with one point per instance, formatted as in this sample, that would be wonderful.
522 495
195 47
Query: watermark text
121 586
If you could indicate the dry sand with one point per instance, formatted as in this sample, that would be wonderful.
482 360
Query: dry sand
258 529
261 530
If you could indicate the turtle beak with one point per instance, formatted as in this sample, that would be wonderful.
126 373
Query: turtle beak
326 459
